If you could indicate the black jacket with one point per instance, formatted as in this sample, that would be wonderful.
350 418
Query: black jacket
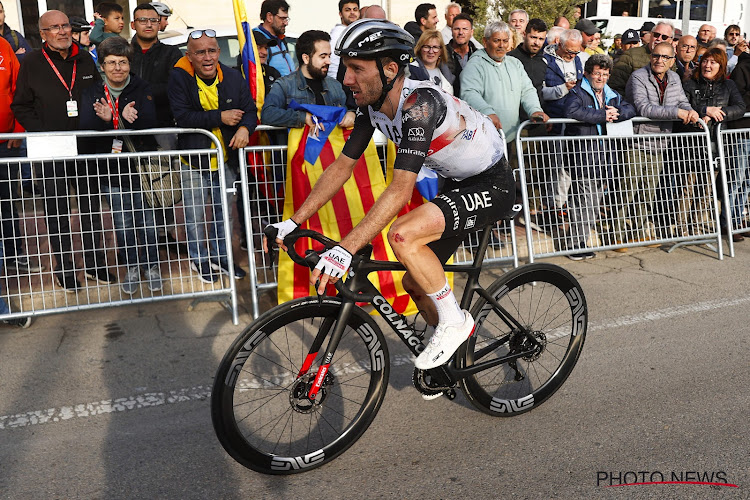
741 77
535 67
188 112
457 60
154 66
118 172
721 93
39 103
414 29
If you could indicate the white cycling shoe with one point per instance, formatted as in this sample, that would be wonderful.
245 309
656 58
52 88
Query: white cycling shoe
446 340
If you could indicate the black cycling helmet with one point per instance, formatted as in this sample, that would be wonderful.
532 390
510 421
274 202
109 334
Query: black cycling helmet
374 39
79 24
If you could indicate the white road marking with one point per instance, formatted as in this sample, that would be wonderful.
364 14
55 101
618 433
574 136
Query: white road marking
200 392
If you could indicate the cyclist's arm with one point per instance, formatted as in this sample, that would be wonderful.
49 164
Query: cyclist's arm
338 172
423 111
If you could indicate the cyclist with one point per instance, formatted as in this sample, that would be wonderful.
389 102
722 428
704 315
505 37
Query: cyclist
430 128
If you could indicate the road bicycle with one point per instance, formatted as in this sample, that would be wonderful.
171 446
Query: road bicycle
284 403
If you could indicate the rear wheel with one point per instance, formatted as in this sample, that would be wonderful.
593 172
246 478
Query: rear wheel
549 304
259 405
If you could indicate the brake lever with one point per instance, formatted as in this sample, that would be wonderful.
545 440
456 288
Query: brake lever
312 258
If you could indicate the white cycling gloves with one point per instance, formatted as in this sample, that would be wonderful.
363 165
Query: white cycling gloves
284 227
334 262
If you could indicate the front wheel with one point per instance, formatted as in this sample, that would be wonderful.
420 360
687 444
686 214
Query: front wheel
259 405
548 304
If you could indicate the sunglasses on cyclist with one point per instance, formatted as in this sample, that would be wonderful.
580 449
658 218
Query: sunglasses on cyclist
199 33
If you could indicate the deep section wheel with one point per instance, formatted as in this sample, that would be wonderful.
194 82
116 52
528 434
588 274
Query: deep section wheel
551 317
260 407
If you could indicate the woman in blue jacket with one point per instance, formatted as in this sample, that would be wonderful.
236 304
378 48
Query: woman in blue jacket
123 100
593 103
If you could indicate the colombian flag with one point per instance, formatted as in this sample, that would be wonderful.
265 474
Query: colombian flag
249 54
337 217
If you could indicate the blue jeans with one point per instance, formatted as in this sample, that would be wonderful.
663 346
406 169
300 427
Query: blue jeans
738 183
134 226
198 185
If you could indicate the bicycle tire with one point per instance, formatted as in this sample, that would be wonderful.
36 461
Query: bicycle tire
259 419
547 300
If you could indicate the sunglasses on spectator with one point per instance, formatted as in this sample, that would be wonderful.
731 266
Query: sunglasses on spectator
662 56
661 36
199 33
56 28
572 52
147 20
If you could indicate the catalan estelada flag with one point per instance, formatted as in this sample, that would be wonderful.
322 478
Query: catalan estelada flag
249 55
337 217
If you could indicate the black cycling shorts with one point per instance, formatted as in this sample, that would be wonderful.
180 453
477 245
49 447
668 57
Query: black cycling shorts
473 204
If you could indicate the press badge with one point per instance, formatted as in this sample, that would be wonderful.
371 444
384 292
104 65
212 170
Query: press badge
116 146
72 107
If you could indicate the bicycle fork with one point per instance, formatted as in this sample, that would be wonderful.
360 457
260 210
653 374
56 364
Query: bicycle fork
338 331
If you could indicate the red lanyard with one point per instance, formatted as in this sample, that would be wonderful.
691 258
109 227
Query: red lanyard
54 68
115 108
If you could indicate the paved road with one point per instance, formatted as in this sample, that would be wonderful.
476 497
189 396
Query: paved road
115 404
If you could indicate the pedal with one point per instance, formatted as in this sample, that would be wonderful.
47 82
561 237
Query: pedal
450 394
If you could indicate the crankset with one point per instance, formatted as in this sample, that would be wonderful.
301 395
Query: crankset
428 386
298 395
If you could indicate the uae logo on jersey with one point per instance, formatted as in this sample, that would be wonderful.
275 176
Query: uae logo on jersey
416 134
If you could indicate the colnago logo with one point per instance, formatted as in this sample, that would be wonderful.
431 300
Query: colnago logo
371 38
398 322
296 463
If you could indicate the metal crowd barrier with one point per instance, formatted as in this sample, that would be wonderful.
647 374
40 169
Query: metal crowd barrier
590 193
262 174
62 213
734 156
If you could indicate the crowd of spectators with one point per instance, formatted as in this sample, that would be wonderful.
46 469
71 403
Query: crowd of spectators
86 76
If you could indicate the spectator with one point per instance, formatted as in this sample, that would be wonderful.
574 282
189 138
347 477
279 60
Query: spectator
718 42
488 71
630 39
529 52
80 33
676 37
12 238
152 61
706 33
518 19
639 57
739 171
308 85
684 55
576 13
460 47
270 74
108 22
616 46
274 15
194 88
656 93
433 63
123 100
564 71
588 34
348 12
451 11
426 18
562 22
553 35
645 32
16 40
48 99
164 12
717 100
732 35
372 12
594 104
